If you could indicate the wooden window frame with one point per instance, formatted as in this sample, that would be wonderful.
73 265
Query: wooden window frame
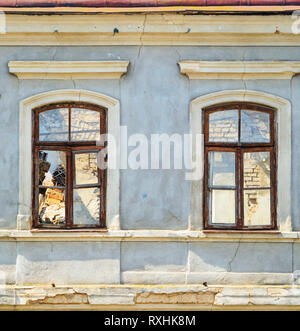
239 149
71 148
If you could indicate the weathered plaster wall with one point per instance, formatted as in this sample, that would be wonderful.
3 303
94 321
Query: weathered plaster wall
214 263
194 275
154 98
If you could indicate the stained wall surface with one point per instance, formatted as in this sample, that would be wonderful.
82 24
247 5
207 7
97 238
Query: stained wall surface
154 98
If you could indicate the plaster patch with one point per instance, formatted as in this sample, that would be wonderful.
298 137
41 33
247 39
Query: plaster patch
68 298
203 297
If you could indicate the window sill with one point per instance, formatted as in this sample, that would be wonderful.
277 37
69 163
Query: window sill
148 235
242 231
41 230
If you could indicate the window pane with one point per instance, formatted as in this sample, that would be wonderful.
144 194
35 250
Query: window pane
223 126
54 125
257 209
256 169
86 206
51 206
255 126
85 125
222 207
86 169
52 168
222 169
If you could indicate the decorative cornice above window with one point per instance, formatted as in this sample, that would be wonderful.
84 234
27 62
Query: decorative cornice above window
68 69
239 70
146 29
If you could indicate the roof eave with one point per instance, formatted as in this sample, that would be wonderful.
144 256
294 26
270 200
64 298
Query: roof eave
199 9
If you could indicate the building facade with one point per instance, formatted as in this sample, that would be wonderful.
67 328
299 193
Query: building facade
149 155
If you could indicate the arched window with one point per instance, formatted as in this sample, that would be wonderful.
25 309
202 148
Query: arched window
240 167
69 189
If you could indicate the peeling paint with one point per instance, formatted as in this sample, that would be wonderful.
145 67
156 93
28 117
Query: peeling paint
203 297
69 298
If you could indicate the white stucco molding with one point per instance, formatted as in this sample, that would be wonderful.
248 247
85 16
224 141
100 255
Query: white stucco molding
148 236
239 69
25 150
68 69
149 29
283 117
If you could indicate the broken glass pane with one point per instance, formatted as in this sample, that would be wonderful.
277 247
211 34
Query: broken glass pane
51 206
54 125
85 125
257 210
86 206
257 169
52 168
223 126
255 126
222 207
86 169
222 169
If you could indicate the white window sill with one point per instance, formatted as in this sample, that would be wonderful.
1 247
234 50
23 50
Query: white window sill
147 235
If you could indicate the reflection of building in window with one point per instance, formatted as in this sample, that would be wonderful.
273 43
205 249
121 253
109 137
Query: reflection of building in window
255 126
85 125
223 126
240 183
86 206
51 197
70 188
257 174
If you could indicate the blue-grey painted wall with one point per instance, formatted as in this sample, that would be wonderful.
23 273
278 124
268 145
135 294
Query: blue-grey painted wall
154 98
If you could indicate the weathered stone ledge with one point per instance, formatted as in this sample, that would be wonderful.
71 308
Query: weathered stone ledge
126 297
147 235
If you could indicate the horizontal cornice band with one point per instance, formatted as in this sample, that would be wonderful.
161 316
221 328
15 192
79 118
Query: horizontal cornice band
240 70
148 29
68 69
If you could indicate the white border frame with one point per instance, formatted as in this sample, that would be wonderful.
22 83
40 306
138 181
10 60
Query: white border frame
283 107
24 219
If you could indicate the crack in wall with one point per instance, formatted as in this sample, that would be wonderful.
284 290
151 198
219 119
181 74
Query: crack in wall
141 42
74 83
54 54
234 256
178 53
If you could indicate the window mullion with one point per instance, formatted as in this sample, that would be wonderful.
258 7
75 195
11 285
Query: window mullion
239 187
69 204
70 124
273 185
239 127
35 193
102 198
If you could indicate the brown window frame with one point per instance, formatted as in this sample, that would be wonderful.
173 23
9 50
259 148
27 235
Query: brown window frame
240 148
71 148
